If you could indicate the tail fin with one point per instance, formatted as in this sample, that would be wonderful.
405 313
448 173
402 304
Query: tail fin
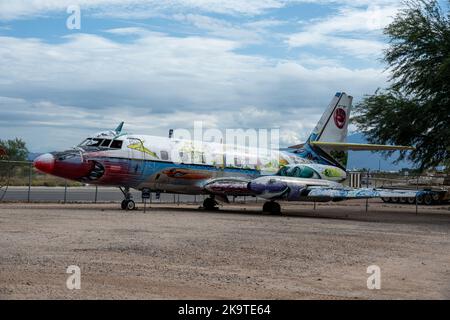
332 128
327 143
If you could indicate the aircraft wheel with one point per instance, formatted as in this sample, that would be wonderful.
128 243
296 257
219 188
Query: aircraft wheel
128 205
210 204
272 208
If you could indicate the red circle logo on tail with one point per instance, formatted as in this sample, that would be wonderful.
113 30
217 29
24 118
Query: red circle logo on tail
340 118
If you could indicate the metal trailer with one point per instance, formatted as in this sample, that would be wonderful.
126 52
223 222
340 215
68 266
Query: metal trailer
436 191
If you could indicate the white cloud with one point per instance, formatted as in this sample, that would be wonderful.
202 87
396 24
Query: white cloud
156 82
10 10
353 31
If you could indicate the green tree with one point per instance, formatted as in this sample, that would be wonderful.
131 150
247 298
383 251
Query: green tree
15 149
415 109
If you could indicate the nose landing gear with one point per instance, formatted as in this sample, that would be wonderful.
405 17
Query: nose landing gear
127 203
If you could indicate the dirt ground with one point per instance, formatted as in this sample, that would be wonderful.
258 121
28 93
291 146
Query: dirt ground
181 252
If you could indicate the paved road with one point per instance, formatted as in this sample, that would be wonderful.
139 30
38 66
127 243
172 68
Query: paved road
87 194
107 194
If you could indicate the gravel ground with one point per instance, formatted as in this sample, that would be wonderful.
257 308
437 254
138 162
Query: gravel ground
181 252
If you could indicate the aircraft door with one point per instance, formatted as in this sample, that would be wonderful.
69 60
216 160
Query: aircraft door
136 156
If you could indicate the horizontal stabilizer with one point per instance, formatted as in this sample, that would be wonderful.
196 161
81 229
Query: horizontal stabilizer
359 147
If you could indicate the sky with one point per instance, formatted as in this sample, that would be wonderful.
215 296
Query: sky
164 64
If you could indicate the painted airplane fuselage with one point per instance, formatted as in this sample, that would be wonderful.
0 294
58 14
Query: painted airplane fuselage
177 166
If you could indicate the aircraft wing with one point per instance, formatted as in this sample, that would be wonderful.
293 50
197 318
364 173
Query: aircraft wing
298 189
363 193
360 147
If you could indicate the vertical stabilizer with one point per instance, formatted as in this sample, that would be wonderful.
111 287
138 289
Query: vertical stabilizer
333 128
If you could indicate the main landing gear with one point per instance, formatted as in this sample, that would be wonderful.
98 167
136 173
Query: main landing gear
272 208
210 204
127 203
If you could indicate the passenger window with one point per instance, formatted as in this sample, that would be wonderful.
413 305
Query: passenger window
184 157
237 162
106 143
203 158
116 144
164 155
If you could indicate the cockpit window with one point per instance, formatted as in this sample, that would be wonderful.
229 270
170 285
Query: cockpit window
106 143
116 144
91 142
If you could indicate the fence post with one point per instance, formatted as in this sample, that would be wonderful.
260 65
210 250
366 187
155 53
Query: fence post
65 190
29 181
417 190
96 194
368 185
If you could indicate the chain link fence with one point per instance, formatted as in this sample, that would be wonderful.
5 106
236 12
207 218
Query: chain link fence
21 182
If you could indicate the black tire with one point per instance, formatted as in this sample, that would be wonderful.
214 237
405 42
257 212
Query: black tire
210 204
403 200
436 198
428 199
272 208
123 205
420 199
131 205
412 200
395 200
386 200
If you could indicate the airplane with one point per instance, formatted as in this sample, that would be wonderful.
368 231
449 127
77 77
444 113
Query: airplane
312 172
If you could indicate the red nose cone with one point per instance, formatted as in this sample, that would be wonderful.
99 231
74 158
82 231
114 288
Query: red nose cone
45 163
